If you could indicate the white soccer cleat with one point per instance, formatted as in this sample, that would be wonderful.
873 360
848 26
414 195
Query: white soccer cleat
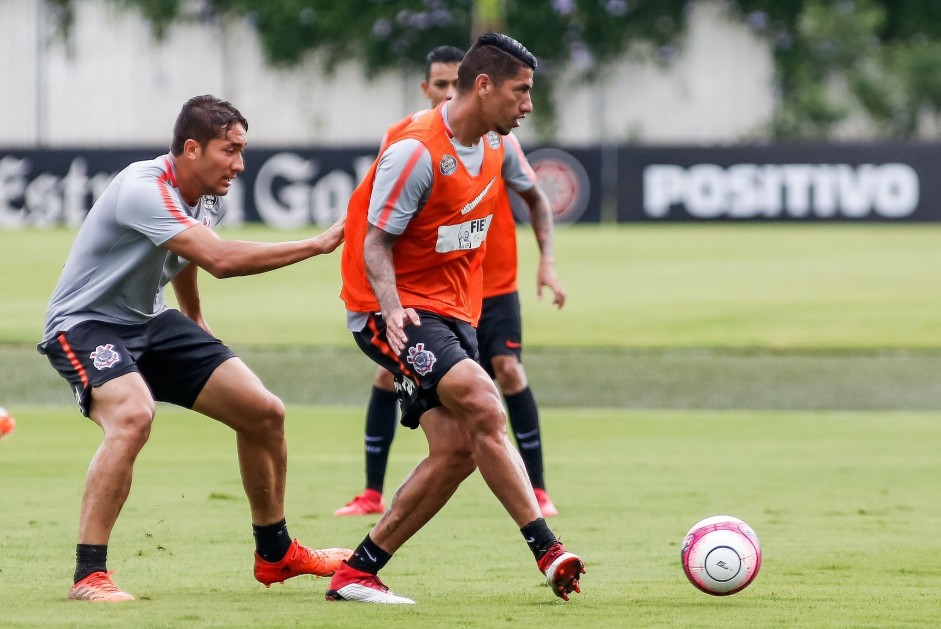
349 584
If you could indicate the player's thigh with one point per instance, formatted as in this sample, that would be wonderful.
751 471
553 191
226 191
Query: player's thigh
122 404
235 396
468 393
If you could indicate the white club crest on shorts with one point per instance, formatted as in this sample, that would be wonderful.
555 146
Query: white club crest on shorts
448 165
105 357
420 358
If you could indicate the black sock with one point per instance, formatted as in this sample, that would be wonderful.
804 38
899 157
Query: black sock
89 558
538 536
380 430
272 540
368 557
524 420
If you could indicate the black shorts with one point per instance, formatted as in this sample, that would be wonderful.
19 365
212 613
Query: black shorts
173 355
500 331
433 348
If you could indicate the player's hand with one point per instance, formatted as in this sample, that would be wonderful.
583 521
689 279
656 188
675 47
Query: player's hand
546 277
395 321
330 239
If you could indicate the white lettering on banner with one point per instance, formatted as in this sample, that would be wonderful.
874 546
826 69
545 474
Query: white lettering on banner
782 190
467 235
46 199
290 208
297 202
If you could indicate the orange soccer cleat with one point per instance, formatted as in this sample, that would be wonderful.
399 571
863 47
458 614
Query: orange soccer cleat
300 560
99 588
367 503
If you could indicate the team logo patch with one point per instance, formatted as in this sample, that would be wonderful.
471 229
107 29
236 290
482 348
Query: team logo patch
493 139
105 357
420 358
448 165
209 200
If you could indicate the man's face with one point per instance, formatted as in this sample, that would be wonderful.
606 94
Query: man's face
220 161
442 82
508 103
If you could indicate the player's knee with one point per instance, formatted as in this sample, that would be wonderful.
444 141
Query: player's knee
129 423
509 374
268 418
459 462
384 380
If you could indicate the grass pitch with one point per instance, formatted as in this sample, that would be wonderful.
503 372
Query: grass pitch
843 503
672 318
756 286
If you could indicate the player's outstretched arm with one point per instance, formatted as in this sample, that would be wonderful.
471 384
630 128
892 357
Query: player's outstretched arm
540 218
234 258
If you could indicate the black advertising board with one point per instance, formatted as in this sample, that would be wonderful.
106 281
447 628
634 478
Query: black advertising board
886 182
296 187
284 188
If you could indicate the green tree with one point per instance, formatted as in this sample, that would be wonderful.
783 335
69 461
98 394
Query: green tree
834 58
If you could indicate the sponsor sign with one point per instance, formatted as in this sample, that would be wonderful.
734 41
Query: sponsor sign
780 183
286 188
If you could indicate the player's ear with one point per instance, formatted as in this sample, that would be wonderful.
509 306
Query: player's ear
483 83
192 149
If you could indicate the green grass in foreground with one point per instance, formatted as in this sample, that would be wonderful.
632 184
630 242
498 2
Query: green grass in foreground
844 504
764 286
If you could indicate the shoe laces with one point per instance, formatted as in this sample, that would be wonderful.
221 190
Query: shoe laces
305 554
102 581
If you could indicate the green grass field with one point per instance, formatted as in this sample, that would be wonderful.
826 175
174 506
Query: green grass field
788 375
844 503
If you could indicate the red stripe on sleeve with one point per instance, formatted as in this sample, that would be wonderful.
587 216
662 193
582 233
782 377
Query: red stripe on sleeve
164 182
73 359
399 186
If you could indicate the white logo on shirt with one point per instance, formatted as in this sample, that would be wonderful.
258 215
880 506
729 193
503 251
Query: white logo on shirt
448 165
480 197
467 235
493 139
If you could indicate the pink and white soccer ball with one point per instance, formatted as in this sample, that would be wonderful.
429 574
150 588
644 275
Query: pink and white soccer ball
721 555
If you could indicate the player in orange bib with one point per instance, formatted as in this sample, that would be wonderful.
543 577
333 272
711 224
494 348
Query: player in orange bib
413 282
499 332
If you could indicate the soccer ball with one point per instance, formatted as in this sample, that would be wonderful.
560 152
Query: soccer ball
721 555
7 423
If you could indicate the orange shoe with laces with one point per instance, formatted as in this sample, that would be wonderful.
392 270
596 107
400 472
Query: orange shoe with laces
367 503
545 504
99 588
300 560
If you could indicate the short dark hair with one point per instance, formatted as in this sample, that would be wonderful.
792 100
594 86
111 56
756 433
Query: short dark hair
204 118
442 54
498 56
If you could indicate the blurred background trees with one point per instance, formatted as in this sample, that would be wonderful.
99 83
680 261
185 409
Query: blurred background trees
875 61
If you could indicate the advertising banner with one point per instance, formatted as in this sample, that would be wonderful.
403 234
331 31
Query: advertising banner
283 188
798 182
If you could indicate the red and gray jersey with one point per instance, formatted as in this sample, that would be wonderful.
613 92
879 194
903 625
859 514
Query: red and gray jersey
117 268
